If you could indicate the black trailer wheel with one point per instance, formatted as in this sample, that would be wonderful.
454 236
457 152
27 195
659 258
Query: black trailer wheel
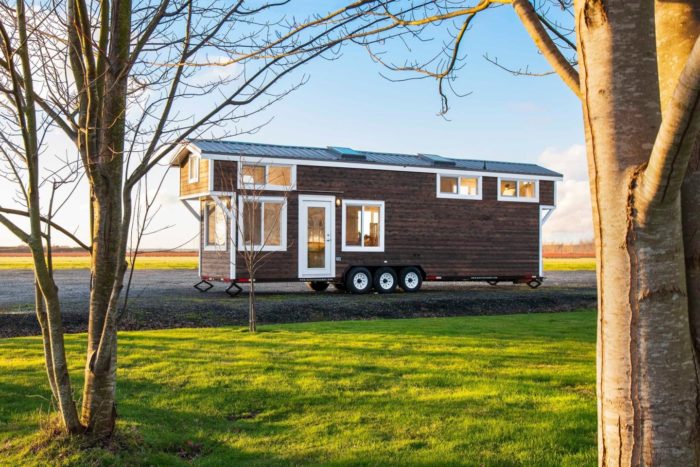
534 283
359 280
492 282
340 287
317 286
410 279
385 280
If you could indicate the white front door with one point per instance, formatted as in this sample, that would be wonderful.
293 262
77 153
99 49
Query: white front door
316 236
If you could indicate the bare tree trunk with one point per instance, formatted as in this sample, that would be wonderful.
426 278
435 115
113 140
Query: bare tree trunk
252 319
646 379
677 27
99 389
690 202
46 339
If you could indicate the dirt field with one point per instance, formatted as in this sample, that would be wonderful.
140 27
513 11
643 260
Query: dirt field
166 299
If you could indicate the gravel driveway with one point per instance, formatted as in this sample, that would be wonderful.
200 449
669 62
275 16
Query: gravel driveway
166 299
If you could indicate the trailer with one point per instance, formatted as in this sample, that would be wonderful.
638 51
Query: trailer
362 221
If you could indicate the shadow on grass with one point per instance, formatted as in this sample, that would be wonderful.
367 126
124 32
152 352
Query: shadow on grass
461 391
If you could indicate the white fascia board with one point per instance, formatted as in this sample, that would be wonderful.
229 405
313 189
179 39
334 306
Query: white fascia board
182 151
372 166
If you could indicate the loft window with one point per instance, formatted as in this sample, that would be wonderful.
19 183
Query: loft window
214 225
263 222
512 189
363 225
193 168
453 186
267 177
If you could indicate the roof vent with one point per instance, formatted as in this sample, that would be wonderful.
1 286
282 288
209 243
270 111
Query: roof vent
348 153
436 160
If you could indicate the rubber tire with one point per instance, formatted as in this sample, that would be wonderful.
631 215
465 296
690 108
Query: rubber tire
350 280
340 287
492 282
318 286
378 279
412 273
534 283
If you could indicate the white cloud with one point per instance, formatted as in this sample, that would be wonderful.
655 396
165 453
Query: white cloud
572 220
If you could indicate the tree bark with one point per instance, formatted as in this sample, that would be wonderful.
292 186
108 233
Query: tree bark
252 318
646 379
677 28
109 218
690 203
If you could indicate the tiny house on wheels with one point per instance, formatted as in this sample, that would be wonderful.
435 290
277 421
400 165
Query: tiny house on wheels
362 220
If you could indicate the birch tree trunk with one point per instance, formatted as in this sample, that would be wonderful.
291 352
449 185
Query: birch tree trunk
647 389
677 28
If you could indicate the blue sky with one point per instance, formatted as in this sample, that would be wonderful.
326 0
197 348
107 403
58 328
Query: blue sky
347 103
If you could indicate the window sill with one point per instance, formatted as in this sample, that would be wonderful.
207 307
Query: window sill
453 196
254 187
263 248
363 249
221 248
516 199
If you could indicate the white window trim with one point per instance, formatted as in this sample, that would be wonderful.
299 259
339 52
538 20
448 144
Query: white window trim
382 233
190 165
213 247
517 198
458 195
267 186
283 223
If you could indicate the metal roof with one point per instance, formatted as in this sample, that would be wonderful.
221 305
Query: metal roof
238 148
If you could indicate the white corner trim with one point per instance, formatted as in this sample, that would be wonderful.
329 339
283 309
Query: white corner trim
440 194
282 221
382 233
543 220
516 198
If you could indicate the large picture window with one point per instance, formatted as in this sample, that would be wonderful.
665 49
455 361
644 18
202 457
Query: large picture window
263 223
363 225
267 176
512 189
214 226
458 186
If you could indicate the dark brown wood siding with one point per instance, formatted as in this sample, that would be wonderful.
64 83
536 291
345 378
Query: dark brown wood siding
546 193
446 237
225 176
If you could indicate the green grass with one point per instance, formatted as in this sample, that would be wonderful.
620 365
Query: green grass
511 390
569 264
190 262
83 262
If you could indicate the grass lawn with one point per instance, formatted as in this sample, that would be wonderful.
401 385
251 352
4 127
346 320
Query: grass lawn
509 390
83 262
190 262
569 264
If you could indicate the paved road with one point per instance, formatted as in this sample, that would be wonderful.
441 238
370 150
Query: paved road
165 298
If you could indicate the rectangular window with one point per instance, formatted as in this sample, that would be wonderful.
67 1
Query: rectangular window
466 187
363 225
263 224
518 190
267 177
193 168
253 175
214 225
